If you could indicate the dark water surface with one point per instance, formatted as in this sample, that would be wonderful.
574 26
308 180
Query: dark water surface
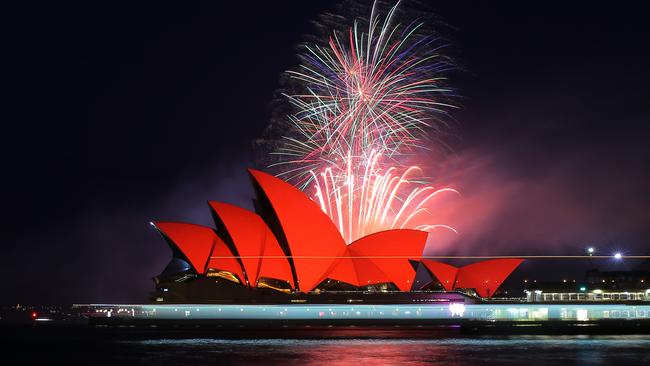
360 348
537 350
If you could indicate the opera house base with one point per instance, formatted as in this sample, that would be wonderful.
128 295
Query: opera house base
519 318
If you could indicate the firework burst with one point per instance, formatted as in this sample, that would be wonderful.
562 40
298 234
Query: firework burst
368 100
377 200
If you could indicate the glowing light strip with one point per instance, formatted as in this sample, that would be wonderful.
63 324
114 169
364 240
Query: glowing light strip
447 257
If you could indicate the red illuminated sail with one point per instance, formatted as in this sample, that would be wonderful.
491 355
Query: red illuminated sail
258 249
485 277
311 237
194 242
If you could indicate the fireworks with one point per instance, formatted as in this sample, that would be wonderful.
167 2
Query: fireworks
376 201
367 101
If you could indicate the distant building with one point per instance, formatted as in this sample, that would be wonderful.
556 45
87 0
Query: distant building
618 280
632 285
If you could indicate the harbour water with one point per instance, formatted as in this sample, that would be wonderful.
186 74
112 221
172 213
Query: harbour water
535 350
360 347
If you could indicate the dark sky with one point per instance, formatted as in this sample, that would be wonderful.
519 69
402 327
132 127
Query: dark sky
116 115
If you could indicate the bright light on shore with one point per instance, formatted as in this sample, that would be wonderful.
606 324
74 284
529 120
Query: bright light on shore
618 256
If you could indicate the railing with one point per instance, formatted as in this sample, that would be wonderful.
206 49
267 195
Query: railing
538 296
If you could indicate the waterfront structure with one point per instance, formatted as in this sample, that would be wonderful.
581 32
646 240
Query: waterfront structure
596 295
597 286
633 317
289 246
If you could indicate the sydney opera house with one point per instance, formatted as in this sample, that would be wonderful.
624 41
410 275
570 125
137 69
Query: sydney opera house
288 250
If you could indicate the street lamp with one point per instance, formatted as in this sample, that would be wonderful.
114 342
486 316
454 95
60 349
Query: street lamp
590 252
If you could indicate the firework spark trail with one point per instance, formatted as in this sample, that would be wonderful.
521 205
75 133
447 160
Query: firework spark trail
377 200
369 100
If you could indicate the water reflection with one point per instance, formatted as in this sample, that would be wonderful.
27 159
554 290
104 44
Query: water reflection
529 350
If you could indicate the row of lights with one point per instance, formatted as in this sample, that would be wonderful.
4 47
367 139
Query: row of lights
574 281
591 251
617 255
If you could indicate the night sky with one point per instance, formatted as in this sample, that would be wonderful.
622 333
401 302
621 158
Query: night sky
117 115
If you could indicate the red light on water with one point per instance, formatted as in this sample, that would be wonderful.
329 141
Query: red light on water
34 314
